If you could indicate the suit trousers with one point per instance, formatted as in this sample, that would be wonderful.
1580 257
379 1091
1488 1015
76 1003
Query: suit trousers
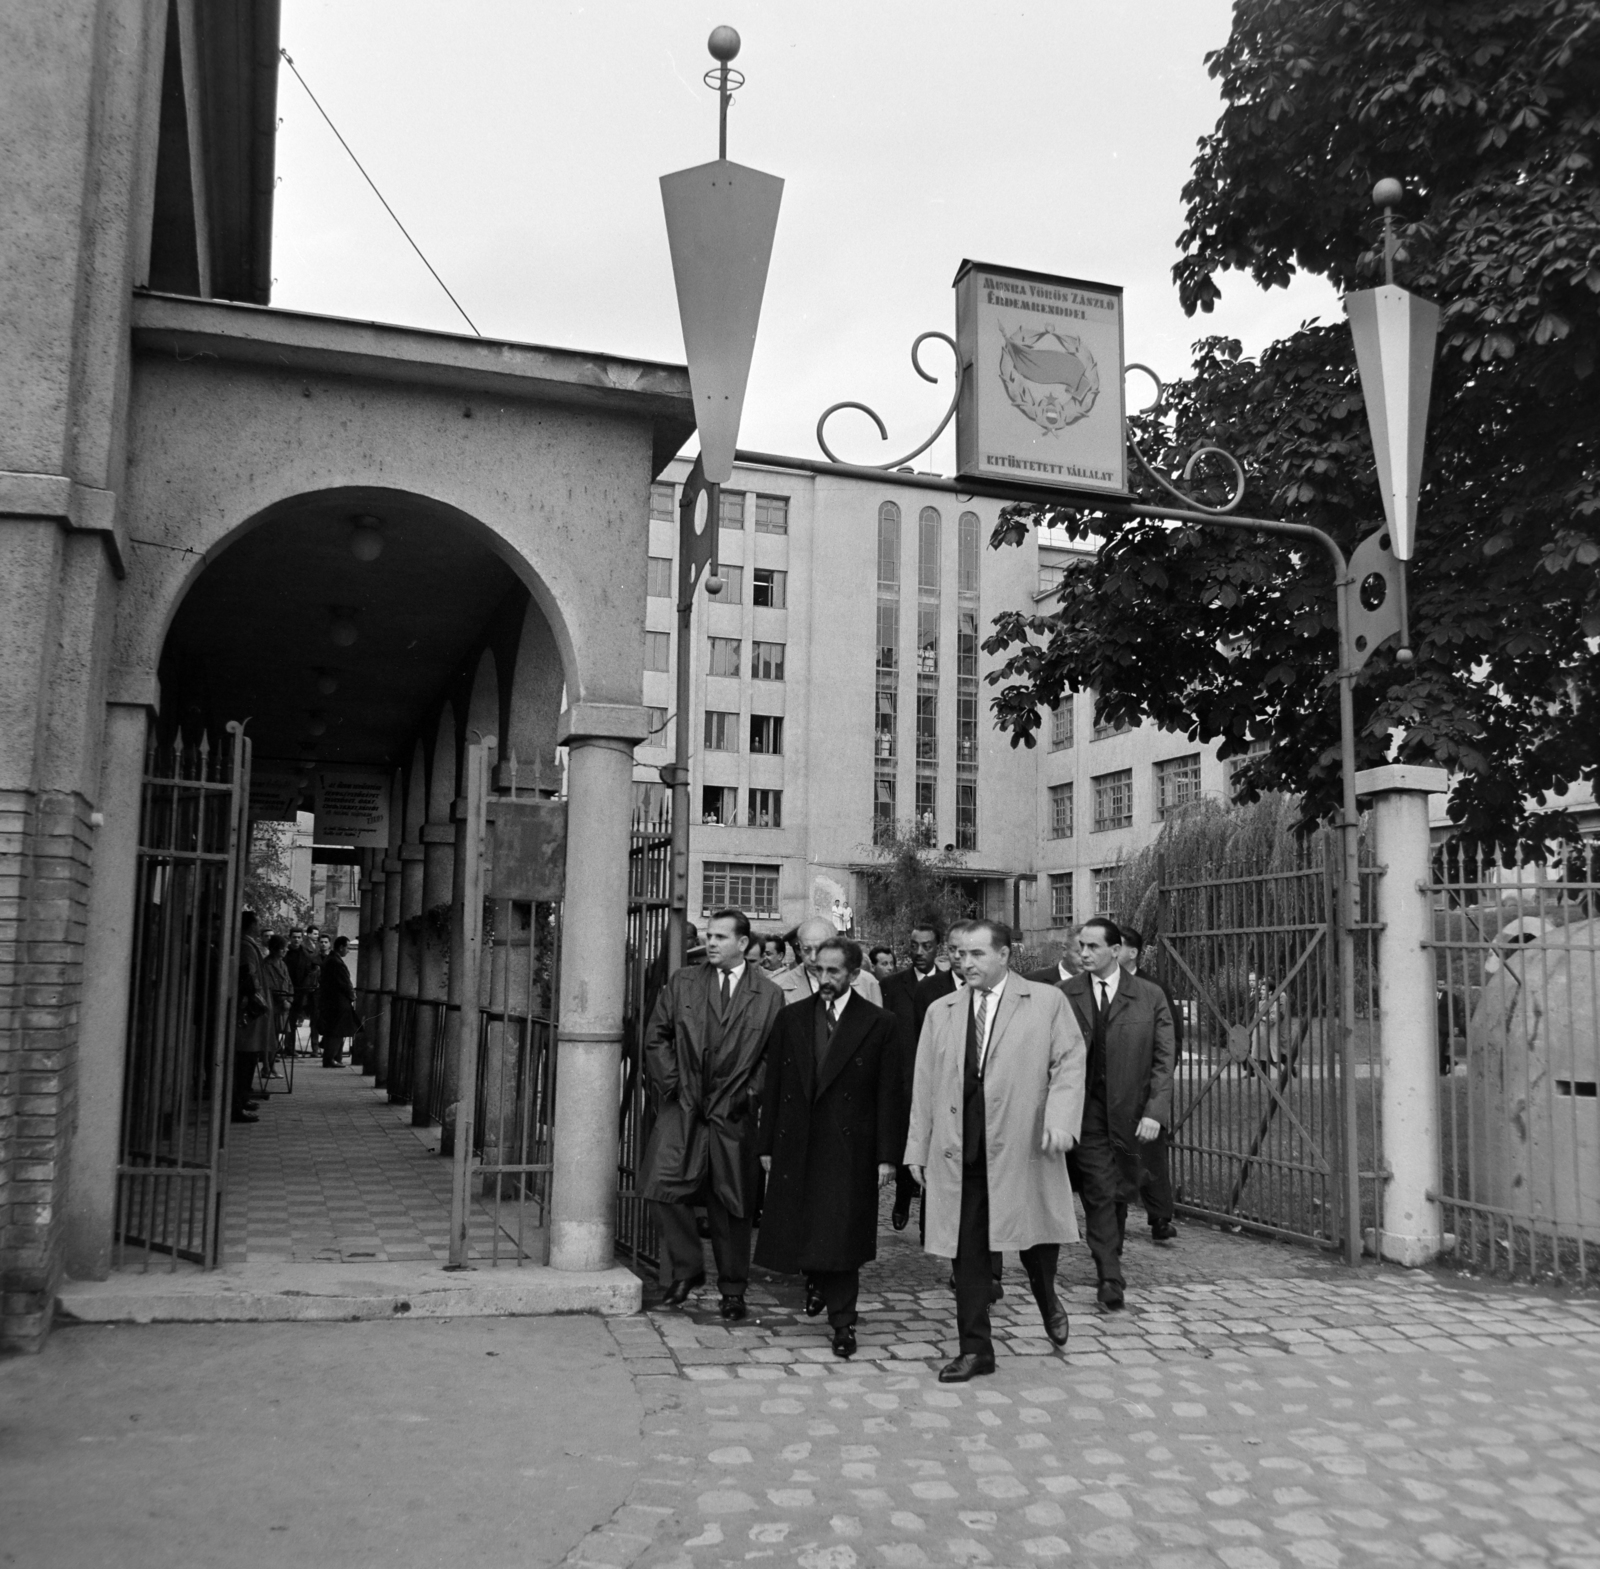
975 1266
840 1289
1155 1191
1107 1179
682 1257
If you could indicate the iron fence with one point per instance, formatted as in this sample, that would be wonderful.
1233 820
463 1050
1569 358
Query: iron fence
1516 949
1271 1104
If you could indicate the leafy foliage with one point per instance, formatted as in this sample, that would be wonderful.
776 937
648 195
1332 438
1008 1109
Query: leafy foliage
1491 113
266 880
911 882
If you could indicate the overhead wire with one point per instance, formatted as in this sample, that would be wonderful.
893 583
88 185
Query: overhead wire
289 61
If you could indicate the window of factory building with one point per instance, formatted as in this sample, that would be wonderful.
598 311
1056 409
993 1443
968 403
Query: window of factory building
719 804
659 580
766 809
658 650
1061 725
658 727
1177 784
883 745
970 551
888 637
1104 727
1105 890
888 548
769 589
1061 811
928 553
883 793
766 661
730 512
927 640
1113 800
766 734
1236 765
722 731
738 885
967 726
732 592
966 814
1061 898
928 808
724 656
928 727
661 501
772 514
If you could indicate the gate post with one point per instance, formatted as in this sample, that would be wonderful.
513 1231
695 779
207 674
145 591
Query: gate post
1411 1226
600 738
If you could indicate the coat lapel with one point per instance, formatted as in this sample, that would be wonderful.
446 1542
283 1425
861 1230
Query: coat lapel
1077 993
846 1037
1011 999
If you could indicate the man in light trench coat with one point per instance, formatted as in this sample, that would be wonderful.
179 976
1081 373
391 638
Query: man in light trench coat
996 1104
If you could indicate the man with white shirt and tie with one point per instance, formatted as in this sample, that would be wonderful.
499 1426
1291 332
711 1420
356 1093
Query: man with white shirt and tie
705 1049
1128 1101
996 1103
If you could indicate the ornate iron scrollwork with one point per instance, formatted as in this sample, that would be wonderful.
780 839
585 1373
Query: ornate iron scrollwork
872 414
1209 449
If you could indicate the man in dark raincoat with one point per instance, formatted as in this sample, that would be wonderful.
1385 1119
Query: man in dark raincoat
830 1136
705 1048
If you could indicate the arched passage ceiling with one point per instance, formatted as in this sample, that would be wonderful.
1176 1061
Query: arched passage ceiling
252 637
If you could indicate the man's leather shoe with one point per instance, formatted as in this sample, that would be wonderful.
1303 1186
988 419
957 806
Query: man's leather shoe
733 1308
678 1292
1163 1231
844 1341
1055 1324
898 1216
1110 1295
996 1291
968 1365
815 1301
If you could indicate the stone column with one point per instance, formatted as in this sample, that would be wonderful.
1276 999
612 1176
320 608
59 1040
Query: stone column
410 964
438 862
600 738
378 1065
1412 1224
108 979
369 966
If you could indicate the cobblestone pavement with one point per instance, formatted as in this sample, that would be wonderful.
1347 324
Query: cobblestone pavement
1255 1406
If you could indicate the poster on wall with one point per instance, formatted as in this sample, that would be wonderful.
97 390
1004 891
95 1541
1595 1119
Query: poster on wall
1041 379
275 791
352 807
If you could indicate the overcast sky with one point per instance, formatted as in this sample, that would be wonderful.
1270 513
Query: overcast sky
521 141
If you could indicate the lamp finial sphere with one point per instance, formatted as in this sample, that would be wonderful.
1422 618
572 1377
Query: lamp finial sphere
723 43
1387 193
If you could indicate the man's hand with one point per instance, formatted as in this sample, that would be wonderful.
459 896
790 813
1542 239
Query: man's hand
916 1176
885 1175
1056 1141
766 1163
1147 1130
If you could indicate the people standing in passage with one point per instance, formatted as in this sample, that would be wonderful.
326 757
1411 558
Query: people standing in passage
302 983
1155 1187
705 1047
907 995
1129 1097
281 990
337 1019
800 982
252 1041
996 1104
830 1122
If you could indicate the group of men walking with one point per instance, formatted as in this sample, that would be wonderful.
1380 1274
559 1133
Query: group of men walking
972 1085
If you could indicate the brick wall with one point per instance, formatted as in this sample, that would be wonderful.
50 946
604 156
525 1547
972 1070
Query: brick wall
45 857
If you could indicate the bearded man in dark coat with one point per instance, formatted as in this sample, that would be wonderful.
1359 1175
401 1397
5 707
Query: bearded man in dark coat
830 1137
705 1048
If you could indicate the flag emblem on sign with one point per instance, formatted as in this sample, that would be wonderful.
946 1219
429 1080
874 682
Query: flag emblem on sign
1050 377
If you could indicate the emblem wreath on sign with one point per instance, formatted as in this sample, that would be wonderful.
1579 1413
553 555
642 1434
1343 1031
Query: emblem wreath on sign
1049 377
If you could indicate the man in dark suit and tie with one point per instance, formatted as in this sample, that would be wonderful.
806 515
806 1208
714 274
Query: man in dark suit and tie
705 1048
907 995
1155 1190
1128 1099
830 1136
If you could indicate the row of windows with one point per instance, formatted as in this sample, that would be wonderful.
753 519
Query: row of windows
769 588
719 806
1061 730
1177 785
929 525
739 885
885 802
1062 913
722 732
769 514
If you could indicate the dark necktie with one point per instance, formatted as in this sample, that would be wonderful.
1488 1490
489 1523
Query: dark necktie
980 1016
726 989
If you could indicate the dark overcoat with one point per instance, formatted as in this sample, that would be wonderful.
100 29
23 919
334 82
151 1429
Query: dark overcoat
336 999
908 996
827 1134
1140 1053
705 1077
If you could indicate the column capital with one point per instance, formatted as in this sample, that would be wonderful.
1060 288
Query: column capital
628 722
1402 778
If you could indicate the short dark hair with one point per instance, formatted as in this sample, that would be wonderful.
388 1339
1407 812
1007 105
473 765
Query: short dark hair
1108 926
877 948
313 927
340 944
741 921
248 920
999 932
930 923
274 944
850 948
1132 939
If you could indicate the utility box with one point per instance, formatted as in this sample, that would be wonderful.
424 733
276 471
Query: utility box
526 849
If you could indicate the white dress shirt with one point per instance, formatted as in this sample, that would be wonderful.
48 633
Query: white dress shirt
991 1009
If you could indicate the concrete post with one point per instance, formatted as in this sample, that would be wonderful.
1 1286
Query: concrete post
438 861
369 970
108 978
390 885
1412 1224
600 739
410 964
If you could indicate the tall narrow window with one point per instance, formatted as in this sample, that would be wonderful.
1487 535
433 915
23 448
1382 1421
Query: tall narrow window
1061 898
927 727
658 650
724 656
731 511
1113 800
927 808
882 808
661 501
722 731
1061 724
888 637
928 553
970 552
884 735
966 814
1061 811
732 592
888 548
658 583
966 727
927 640
966 644
968 557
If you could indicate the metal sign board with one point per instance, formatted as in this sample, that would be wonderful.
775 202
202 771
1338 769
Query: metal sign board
1041 379
352 806
527 849
275 792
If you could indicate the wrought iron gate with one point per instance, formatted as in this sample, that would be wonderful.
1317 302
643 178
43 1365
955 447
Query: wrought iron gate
649 901
1274 1110
171 1159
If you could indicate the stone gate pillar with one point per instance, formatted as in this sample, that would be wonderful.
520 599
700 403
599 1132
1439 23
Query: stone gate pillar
600 738
1412 1227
